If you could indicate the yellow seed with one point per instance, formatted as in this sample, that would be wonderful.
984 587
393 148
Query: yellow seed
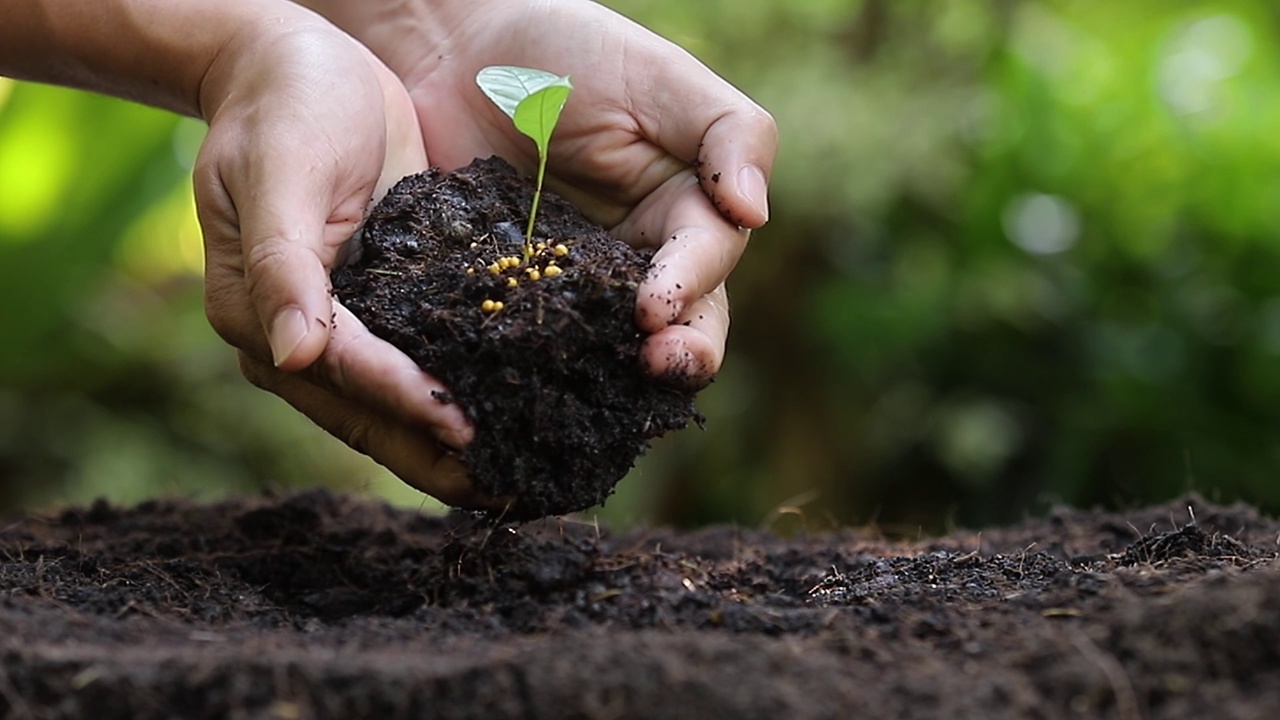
497 305
488 306
471 271
541 246
473 245
552 271
512 282
534 274
494 269
560 250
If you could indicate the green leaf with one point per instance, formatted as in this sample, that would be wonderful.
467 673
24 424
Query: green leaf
507 86
537 115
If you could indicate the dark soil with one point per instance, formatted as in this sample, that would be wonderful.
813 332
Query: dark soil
316 606
552 380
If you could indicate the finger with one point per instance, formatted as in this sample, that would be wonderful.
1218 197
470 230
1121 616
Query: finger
282 237
356 364
226 303
735 163
412 455
730 138
698 251
691 350
359 365
296 194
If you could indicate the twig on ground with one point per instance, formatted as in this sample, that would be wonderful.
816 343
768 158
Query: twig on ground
1121 686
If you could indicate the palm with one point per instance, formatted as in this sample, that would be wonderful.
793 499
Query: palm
600 158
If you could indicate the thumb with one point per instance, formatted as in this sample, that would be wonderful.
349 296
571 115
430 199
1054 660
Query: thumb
734 162
288 282
289 224
694 113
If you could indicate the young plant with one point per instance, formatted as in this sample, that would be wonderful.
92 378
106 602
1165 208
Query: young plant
533 100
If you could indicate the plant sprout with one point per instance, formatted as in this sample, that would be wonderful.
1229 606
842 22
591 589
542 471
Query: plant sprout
533 100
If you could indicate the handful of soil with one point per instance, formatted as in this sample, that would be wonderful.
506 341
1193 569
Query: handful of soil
542 353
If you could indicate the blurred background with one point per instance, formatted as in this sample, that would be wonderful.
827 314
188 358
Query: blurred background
1020 253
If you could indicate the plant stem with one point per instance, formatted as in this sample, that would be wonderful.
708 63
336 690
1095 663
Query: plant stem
533 214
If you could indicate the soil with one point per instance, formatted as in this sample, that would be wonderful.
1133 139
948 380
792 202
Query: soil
322 606
552 380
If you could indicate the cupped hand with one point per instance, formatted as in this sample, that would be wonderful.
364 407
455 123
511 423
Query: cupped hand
652 145
306 127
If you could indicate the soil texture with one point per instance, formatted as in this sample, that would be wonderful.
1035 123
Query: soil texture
540 349
322 606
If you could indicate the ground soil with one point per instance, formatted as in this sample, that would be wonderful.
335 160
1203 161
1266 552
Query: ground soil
322 606
553 380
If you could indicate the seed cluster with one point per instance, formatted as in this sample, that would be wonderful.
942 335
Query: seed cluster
532 272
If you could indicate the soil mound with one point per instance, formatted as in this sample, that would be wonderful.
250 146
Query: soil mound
322 606
538 345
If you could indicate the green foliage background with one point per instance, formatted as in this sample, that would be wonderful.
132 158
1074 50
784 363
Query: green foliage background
1020 252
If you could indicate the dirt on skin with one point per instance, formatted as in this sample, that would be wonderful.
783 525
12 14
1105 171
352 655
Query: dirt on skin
322 606
543 354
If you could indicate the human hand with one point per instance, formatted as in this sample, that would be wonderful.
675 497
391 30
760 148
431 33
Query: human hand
652 145
306 127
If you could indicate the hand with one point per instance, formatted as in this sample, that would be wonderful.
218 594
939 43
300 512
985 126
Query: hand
652 145
306 127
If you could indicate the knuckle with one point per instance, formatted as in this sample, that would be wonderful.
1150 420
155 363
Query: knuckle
217 309
357 431
719 299
263 262
215 211
206 169
333 370
231 317
253 371
764 122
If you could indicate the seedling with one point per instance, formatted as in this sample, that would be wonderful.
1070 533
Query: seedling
533 100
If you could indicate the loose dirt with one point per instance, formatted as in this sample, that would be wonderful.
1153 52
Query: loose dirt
322 606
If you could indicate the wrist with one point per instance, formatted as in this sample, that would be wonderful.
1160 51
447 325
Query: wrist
404 34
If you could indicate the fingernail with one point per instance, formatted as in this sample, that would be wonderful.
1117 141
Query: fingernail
754 188
288 330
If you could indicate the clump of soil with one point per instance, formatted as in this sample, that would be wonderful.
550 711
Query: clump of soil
316 606
541 352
